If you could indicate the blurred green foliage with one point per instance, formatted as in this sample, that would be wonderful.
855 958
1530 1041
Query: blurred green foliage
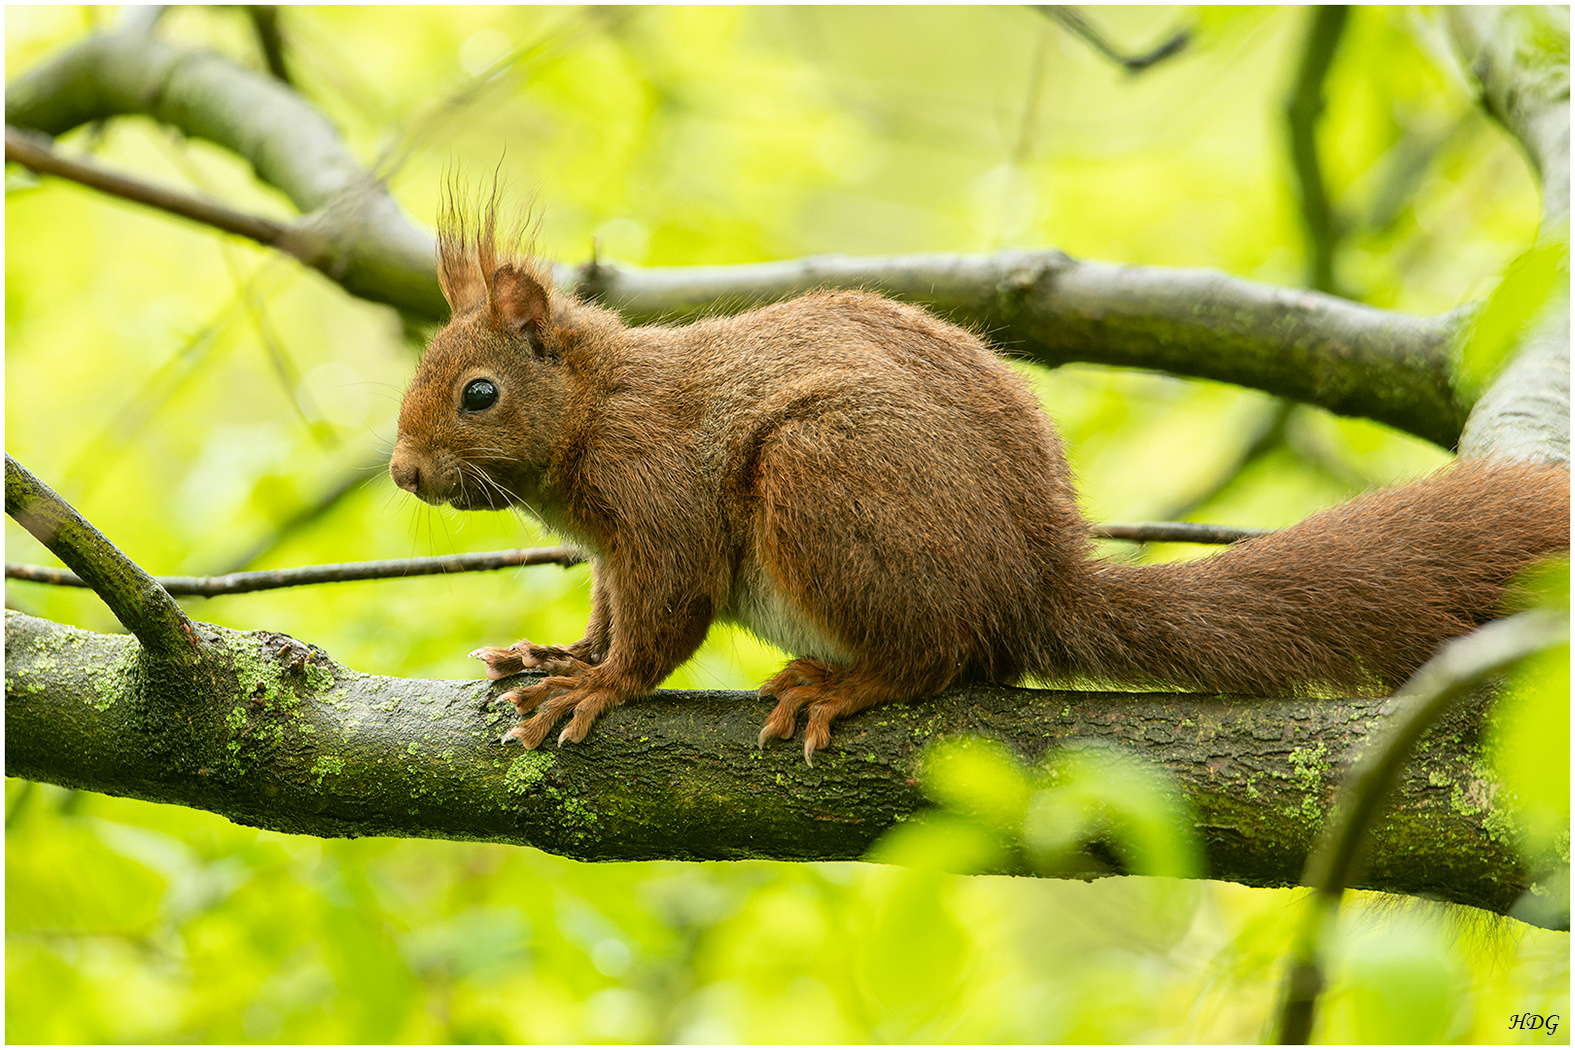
1529 745
1087 812
1497 328
192 394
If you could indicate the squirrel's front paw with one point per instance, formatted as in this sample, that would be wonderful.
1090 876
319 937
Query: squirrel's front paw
524 655
551 699
500 662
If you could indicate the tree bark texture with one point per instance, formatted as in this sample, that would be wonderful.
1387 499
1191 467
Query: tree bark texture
273 733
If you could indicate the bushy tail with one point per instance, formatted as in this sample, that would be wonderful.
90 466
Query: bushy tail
1354 598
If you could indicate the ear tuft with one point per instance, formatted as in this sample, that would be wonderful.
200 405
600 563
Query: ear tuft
462 252
519 302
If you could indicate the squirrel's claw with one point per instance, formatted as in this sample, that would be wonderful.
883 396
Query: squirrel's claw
551 699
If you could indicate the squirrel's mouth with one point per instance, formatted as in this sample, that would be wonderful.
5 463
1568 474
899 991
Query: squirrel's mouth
482 500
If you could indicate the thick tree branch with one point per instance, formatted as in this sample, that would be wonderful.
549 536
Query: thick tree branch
291 741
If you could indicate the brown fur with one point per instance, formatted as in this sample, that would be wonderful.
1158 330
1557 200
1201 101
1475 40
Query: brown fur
873 490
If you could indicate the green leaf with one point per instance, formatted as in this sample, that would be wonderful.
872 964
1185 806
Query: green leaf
1529 747
1496 330
1400 982
1109 799
977 777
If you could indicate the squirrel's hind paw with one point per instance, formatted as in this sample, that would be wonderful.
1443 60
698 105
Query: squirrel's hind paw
791 696
799 684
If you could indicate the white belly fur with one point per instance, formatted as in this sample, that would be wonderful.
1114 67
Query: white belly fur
761 608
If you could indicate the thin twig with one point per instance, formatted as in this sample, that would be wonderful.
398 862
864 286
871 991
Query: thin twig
271 579
265 23
1302 111
135 598
1174 532
1455 672
1072 19
34 152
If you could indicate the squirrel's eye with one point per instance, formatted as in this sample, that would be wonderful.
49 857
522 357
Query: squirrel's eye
479 395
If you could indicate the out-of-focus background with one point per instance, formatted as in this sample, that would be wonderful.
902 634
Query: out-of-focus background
191 394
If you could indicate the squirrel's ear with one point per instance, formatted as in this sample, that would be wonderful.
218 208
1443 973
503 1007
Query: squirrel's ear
519 302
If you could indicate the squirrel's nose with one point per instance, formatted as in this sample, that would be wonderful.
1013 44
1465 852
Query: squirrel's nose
406 475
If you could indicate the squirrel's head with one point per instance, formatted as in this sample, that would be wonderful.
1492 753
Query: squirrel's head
477 420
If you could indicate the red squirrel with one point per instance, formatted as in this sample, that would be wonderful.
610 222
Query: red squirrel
877 493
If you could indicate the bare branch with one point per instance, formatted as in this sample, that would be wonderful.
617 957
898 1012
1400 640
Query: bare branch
1072 19
35 153
145 609
1520 57
1174 532
270 41
1043 305
366 242
1521 62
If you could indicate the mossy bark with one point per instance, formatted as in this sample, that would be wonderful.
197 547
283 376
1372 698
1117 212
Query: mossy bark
271 732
